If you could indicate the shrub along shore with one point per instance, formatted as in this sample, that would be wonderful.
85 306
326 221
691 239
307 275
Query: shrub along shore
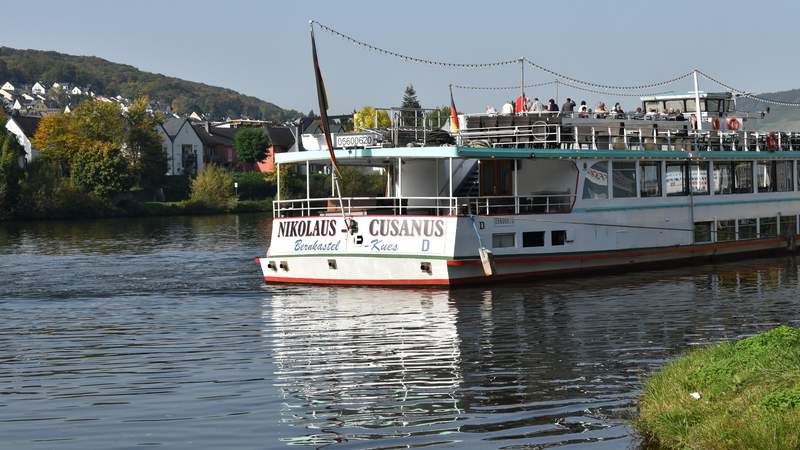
732 395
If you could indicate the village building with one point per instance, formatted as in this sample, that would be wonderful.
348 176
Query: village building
183 147
24 127
7 86
38 89
281 139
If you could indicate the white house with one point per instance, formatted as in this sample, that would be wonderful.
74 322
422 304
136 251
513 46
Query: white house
27 97
7 86
38 89
183 147
6 95
17 105
76 91
56 85
67 110
24 127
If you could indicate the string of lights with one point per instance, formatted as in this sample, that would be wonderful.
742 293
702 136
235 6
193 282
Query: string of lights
413 58
637 87
747 94
502 88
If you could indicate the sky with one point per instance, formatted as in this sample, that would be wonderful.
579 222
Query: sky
262 48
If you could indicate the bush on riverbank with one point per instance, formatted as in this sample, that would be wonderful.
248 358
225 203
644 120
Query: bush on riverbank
212 190
254 185
749 396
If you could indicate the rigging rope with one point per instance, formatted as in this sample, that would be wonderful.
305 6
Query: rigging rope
502 88
747 94
413 58
609 86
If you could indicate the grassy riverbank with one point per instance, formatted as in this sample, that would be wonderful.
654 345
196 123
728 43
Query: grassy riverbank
749 396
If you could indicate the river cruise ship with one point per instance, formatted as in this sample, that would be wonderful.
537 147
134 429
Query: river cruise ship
534 194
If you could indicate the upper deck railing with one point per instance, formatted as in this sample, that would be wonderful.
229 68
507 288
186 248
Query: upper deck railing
436 206
614 131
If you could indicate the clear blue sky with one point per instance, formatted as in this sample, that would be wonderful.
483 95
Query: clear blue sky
262 48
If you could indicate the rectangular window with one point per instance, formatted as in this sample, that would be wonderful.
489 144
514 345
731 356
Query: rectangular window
676 105
650 179
595 184
502 240
723 178
558 237
676 179
788 225
726 230
698 174
768 227
624 179
533 239
784 176
766 176
747 229
743 177
713 105
702 231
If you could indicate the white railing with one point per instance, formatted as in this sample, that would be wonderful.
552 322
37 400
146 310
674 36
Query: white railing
437 206
615 136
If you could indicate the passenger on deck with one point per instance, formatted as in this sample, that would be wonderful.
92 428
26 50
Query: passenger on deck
618 112
490 110
568 106
551 106
584 110
652 114
693 121
522 105
507 109
537 105
601 112
679 116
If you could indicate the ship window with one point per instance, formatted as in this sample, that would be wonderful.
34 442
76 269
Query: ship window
747 229
743 177
595 184
731 106
766 176
775 176
788 225
650 179
533 239
558 237
677 105
624 179
699 177
656 106
726 230
712 105
723 178
768 227
676 178
502 240
702 231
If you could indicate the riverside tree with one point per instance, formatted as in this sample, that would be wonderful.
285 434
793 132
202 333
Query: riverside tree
251 145
10 151
103 150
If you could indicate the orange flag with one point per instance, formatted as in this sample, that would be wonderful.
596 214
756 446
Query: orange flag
453 114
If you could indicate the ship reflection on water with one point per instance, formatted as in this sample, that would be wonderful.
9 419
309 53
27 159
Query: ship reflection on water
520 364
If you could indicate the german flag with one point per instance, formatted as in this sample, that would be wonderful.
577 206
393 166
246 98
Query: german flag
323 105
453 114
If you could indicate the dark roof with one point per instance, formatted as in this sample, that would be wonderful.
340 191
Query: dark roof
337 124
280 136
173 125
28 124
214 136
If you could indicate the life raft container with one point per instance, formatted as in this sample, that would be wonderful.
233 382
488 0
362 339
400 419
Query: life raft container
733 124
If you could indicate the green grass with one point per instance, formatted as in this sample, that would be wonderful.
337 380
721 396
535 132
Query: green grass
750 396
187 208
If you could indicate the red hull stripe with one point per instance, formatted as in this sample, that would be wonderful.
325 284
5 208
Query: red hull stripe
617 254
417 282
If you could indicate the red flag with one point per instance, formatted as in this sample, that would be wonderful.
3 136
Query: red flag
323 104
454 128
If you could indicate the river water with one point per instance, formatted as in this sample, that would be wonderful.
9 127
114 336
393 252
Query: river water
117 334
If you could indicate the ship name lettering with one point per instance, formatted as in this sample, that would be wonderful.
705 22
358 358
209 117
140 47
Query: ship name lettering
407 227
307 228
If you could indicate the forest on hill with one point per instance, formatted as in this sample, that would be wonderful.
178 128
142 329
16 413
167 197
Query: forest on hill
112 79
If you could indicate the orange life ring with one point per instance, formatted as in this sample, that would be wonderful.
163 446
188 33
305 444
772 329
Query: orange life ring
733 124
715 123
772 141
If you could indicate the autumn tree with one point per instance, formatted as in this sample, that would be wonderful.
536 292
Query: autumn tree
147 159
10 152
251 145
366 118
